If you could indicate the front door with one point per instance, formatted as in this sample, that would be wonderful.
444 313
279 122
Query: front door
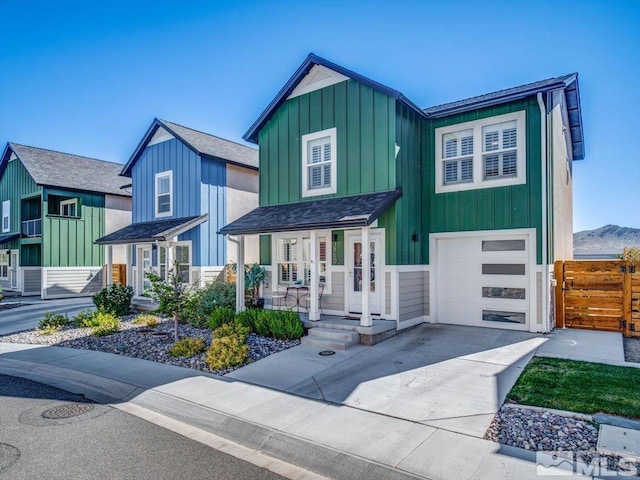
355 275
144 266
13 270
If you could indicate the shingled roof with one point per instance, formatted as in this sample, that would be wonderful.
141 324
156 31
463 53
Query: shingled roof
201 143
155 230
57 169
341 212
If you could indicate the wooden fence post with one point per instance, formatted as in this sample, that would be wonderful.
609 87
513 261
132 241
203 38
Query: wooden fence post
558 273
627 298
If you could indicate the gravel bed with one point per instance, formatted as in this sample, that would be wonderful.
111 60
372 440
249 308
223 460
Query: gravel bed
153 344
546 431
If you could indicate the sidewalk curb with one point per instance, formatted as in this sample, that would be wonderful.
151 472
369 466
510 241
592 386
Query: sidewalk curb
317 458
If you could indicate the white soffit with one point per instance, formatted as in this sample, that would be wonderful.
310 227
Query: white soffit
160 136
317 78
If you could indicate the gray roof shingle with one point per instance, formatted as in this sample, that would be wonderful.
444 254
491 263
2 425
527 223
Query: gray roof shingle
206 144
500 95
341 212
144 232
56 169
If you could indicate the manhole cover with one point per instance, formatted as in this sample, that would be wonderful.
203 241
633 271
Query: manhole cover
8 455
326 353
67 410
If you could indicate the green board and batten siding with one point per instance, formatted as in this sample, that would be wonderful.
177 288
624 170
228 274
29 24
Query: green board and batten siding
69 242
16 184
517 206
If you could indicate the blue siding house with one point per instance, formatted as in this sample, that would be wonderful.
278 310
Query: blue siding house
186 185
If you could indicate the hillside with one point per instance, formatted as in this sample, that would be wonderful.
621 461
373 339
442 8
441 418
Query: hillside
607 239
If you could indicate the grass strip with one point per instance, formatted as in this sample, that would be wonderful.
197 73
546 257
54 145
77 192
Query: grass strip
581 387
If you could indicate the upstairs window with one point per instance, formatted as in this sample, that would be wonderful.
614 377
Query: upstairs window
6 216
319 163
481 154
164 194
69 208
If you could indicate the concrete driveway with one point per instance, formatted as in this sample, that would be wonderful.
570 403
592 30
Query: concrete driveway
32 311
446 376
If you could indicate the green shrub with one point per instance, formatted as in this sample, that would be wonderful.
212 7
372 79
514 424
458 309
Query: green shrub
146 319
247 318
106 324
52 323
261 323
229 347
115 298
221 316
284 324
204 302
85 319
188 347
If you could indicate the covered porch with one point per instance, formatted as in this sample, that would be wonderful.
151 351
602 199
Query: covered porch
310 226
152 247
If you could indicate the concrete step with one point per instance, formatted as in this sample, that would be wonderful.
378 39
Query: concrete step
329 339
138 305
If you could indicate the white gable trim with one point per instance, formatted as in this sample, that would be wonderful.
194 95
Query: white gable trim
160 136
317 78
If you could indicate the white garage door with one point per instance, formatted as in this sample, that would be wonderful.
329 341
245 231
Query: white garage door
484 281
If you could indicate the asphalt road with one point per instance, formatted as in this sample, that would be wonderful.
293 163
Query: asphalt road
99 443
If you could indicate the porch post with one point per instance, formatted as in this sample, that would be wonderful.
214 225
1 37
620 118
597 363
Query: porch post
240 276
169 267
314 313
365 318
109 259
127 261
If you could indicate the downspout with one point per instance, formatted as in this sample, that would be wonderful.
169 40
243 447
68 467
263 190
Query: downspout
545 247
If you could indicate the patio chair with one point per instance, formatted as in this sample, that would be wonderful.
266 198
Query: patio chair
279 298
307 299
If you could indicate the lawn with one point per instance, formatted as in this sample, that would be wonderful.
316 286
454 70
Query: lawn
579 387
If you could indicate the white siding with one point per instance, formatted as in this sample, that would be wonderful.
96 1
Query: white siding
242 197
72 282
411 295
117 216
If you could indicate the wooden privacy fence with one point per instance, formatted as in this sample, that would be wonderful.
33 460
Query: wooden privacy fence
119 273
598 295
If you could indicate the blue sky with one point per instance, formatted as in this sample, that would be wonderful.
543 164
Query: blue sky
88 77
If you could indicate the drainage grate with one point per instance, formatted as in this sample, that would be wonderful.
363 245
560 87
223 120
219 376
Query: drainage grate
66 411
326 353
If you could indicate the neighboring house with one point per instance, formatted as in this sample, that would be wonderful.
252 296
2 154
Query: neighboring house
450 214
54 207
186 185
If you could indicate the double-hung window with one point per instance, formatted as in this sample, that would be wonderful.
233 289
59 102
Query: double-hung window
183 263
485 153
293 260
164 194
6 216
457 149
319 163
500 150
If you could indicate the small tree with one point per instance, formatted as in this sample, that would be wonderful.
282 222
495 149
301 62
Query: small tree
172 295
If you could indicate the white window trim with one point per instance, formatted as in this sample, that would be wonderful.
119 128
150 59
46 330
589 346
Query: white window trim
166 173
478 164
73 201
300 236
6 213
306 191
183 243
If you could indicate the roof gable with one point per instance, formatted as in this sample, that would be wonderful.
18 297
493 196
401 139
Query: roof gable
302 75
202 143
64 170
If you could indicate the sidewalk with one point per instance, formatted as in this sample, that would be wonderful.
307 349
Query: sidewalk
333 440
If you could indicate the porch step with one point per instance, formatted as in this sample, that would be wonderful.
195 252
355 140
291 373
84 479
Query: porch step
330 339
139 305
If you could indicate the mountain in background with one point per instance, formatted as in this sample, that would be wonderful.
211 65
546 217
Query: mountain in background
607 239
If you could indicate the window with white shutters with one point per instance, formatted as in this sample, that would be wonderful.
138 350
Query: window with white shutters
484 153
500 147
319 163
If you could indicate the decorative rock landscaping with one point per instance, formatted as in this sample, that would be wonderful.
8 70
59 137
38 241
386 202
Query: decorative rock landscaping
140 341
